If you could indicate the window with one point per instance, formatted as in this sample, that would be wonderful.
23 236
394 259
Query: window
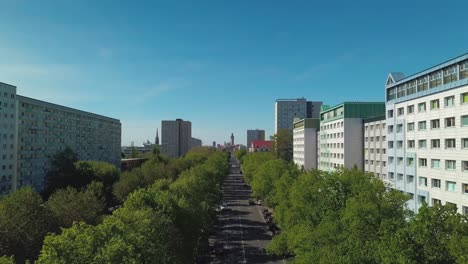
450 143
465 188
422 125
400 176
436 202
390 129
399 160
464 98
410 109
410 162
464 70
449 101
465 166
435 143
435 183
450 186
465 208
435 124
399 144
391 175
464 143
411 126
435 163
435 104
450 74
411 144
390 160
399 128
422 143
422 162
435 79
423 181
401 111
450 122
423 84
422 107
410 178
390 144
450 165
390 113
421 199
464 120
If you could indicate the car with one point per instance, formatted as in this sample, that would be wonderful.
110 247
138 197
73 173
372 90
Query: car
251 202
259 202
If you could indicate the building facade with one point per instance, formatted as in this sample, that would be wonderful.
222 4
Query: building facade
260 146
176 136
375 147
305 143
34 131
254 135
341 133
195 142
427 133
286 110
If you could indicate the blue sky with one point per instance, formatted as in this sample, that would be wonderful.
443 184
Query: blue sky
219 64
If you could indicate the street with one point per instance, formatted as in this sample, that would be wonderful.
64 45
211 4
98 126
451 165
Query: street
241 232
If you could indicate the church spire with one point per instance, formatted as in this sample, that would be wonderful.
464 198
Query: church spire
156 141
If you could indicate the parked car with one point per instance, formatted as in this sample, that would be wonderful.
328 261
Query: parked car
259 202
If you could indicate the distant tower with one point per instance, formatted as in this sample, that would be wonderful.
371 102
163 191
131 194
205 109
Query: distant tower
156 141
232 139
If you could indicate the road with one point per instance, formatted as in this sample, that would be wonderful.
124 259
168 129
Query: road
241 232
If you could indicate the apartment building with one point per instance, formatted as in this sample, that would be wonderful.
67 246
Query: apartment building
33 131
427 134
176 137
375 146
305 143
286 110
341 133
255 135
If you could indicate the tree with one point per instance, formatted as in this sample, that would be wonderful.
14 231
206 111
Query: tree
70 205
24 222
62 173
263 182
282 145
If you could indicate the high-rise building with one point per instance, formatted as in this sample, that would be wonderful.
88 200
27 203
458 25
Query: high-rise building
341 133
286 110
427 134
176 135
34 131
255 135
375 147
305 143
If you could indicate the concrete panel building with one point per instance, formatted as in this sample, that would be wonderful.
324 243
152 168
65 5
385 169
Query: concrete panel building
176 136
375 147
195 142
33 131
255 135
341 133
427 134
305 135
286 110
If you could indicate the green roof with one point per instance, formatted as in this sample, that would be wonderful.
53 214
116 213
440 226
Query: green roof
352 110
307 123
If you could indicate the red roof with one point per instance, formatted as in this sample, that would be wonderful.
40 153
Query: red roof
261 143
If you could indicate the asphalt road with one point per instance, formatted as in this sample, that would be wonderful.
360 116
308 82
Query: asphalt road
241 232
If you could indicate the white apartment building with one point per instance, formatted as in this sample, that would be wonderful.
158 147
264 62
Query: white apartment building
305 143
341 133
427 126
176 137
254 135
34 131
375 147
286 110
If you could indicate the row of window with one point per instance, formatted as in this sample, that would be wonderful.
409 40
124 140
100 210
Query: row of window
331 126
332 135
450 143
332 155
435 163
332 145
377 139
435 79
376 163
449 122
377 127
